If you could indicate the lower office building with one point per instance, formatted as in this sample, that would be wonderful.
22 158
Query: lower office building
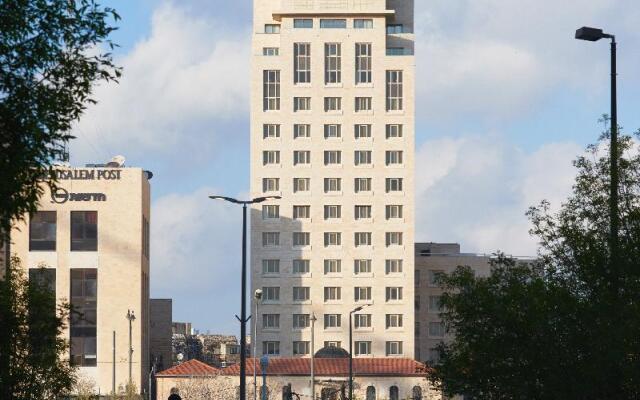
90 240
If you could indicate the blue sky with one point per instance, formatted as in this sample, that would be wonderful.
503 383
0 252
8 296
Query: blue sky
506 99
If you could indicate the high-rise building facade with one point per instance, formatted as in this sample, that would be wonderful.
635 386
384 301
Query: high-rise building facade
89 240
332 133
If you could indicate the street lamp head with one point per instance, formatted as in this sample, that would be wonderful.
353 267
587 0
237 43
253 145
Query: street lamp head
265 198
225 198
591 34
258 294
130 315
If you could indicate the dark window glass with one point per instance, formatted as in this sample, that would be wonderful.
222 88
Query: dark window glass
84 230
43 322
42 231
83 321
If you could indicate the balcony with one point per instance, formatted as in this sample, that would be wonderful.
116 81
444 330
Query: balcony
332 7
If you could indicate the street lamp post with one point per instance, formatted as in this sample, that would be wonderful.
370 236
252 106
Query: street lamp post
131 317
257 295
355 310
313 355
243 299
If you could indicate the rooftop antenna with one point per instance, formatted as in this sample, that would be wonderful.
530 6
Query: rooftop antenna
116 162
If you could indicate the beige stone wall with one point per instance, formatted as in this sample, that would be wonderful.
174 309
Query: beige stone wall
123 269
269 11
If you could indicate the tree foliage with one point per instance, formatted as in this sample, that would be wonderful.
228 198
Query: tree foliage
33 352
50 59
566 326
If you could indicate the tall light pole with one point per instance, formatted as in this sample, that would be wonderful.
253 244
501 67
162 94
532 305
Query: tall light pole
355 310
243 287
313 355
131 317
257 295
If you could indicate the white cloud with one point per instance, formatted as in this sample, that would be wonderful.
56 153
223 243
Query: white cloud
475 190
177 85
196 257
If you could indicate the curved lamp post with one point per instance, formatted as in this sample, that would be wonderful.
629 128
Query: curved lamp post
355 310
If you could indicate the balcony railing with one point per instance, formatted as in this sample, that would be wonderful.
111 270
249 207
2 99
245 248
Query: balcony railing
333 5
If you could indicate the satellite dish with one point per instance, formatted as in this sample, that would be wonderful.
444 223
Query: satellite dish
116 162
180 356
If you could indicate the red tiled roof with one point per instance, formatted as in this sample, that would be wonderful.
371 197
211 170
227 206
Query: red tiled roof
334 367
190 368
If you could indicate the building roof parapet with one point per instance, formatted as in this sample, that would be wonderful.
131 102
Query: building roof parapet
332 7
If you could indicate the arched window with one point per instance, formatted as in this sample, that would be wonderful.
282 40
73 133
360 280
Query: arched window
394 393
417 393
371 393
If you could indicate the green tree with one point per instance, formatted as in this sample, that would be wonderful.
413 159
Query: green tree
50 59
35 363
566 326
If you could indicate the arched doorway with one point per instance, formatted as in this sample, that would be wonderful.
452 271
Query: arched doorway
417 393
371 393
394 393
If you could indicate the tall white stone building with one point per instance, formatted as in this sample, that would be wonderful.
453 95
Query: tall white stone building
332 132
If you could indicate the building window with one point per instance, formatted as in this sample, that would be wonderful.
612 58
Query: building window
332 321
270 131
332 104
332 131
394 90
363 104
394 321
301 185
303 23
301 266
394 348
362 131
393 293
332 212
417 393
270 184
393 157
416 302
434 355
301 131
433 276
362 157
394 392
301 212
301 321
417 331
270 51
362 239
362 185
436 329
363 63
301 157
301 63
301 239
333 343
333 23
362 24
393 185
270 157
270 321
363 348
332 157
271 90
393 131
396 51
361 267
371 393
271 348
362 293
332 293
300 348
332 185
332 63
44 279
332 267
301 104
83 318
393 238
270 267
271 28
434 304
301 293
394 28
332 239
393 266
393 211
271 293
362 321
84 230
42 231
362 212
270 212
270 239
